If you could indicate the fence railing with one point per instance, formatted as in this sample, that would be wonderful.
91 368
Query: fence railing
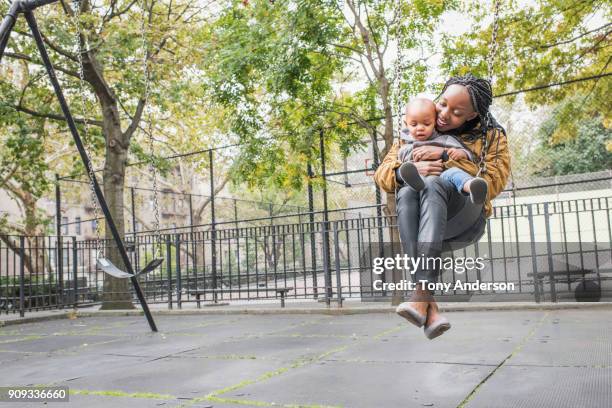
544 251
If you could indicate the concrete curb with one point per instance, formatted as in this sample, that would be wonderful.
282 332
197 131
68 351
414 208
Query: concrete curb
457 307
36 319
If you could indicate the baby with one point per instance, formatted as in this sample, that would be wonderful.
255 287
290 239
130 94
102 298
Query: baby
420 120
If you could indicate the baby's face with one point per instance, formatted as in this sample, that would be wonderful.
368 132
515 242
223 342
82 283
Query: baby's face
420 121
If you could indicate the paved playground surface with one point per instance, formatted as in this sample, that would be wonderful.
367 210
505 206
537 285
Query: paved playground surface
528 358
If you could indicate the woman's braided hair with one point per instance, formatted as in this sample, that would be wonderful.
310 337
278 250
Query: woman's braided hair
481 96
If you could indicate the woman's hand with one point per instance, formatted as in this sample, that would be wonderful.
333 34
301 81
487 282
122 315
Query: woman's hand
429 168
427 153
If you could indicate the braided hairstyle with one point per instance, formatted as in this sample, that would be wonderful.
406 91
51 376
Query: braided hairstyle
481 96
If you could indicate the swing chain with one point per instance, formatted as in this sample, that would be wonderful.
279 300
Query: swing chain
144 24
90 171
494 41
400 66
482 169
490 66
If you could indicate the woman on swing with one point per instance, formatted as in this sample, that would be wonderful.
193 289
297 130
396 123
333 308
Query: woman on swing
439 214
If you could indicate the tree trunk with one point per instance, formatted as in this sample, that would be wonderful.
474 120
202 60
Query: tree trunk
116 294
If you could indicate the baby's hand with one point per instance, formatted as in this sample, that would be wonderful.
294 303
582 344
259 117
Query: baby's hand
457 154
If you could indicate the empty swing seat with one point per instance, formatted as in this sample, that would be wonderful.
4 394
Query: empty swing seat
108 267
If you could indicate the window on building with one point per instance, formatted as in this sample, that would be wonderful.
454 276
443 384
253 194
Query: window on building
77 226
94 225
65 225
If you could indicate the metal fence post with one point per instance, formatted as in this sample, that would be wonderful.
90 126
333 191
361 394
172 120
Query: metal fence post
337 255
74 272
169 270
22 276
237 239
313 241
59 261
213 226
553 289
60 281
378 197
326 248
179 286
326 265
194 252
534 258
133 204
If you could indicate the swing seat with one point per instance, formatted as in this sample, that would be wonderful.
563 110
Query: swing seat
108 267
151 266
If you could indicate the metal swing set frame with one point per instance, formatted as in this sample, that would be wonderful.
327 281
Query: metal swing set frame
27 7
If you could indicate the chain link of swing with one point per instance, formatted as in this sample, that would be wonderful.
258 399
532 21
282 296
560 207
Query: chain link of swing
400 66
490 71
147 114
149 125
491 58
76 20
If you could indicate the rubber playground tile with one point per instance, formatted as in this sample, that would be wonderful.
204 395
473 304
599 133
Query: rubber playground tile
237 326
151 345
342 326
268 347
463 343
107 399
54 343
367 385
118 401
545 387
62 325
45 369
176 376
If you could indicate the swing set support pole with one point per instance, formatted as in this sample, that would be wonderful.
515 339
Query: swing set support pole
6 26
79 144
8 22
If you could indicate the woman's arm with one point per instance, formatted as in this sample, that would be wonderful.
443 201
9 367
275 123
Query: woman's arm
385 173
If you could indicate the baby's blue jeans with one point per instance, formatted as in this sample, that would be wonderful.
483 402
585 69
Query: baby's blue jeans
456 177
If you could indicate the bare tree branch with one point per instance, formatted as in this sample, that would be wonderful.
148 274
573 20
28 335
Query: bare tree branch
54 116
135 119
218 189
33 61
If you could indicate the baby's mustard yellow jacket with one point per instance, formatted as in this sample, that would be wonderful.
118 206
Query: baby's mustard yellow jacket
497 163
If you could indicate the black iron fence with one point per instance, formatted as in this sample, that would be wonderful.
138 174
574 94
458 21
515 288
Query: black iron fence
551 251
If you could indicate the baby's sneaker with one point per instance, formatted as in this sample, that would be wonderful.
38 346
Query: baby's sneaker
478 190
411 176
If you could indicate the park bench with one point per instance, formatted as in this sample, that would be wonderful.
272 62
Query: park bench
561 276
203 292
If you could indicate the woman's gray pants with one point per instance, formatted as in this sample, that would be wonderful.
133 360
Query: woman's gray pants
434 219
